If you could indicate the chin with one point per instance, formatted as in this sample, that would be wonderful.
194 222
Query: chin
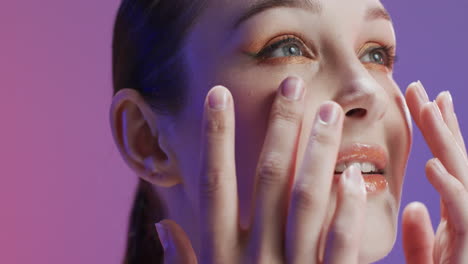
380 227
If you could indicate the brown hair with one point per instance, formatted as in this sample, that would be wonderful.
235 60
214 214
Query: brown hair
146 56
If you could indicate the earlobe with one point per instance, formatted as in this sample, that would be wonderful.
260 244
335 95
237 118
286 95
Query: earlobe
157 176
143 145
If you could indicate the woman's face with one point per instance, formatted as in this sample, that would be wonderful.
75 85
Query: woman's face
343 52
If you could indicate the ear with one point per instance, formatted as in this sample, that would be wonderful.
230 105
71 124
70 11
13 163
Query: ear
138 134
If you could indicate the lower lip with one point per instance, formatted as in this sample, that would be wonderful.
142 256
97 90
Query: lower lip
375 183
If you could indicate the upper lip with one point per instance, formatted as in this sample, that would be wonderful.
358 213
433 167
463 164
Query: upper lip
359 152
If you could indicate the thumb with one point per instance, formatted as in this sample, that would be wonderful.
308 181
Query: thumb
418 235
175 242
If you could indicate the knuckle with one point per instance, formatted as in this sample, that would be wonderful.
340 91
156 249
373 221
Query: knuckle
262 253
211 182
458 189
216 125
446 261
303 198
281 111
461 234
272 170
267 259
342 237
458 193
322 137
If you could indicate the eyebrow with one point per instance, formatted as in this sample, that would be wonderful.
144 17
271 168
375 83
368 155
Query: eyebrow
314 6
376 13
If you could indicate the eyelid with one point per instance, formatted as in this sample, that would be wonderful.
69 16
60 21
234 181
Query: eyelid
373 46
282 37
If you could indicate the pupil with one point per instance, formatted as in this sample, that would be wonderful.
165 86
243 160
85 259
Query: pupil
292 50
378 57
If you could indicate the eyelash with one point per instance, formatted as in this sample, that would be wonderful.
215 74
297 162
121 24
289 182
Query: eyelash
265 53
268 50
389 52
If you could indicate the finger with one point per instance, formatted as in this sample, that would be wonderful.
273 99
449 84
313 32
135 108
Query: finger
276 166
311 191
416 97
452 192
218 186
176 244
442 143
445 103
418 235
348 222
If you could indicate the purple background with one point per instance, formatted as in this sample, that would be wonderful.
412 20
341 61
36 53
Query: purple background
65 192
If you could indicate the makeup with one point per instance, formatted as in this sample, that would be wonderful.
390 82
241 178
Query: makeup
370 159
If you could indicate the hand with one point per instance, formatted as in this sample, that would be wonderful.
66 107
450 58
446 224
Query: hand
282 230
448 173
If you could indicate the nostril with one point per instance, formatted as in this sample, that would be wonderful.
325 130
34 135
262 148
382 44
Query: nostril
356 112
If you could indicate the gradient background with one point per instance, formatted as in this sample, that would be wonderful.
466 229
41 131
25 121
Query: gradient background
65 193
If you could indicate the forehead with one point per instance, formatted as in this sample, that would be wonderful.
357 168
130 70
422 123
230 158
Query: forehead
312 4
223 10
221 18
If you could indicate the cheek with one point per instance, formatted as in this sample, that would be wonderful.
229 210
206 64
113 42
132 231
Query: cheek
401 101
254 92
399 139
403 123
252 98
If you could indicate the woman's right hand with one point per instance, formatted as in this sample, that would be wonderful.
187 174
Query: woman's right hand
288 223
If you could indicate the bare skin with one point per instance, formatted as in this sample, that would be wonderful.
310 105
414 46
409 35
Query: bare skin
447 172
439 124
225 242
254 182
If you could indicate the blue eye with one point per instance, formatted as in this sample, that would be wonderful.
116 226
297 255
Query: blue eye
293 47
379 55
288 47
375 56
287 50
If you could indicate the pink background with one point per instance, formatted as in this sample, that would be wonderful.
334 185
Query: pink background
65 192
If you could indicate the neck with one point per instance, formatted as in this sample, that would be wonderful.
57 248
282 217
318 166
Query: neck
181 210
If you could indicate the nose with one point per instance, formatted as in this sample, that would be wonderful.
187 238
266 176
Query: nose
362 98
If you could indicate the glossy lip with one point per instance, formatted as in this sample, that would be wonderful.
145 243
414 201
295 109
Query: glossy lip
376 154
360 152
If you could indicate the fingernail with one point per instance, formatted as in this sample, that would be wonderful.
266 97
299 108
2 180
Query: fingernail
217 98
163 235
292 88
328 113
354 175
448 101
436 111
421 92
440 169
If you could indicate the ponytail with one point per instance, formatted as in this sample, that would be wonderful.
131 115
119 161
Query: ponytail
143 246
146 39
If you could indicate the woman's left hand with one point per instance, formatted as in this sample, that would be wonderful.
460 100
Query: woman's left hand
448 173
